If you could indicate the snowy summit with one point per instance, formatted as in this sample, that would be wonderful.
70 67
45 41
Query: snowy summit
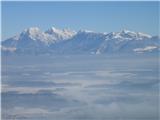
66 41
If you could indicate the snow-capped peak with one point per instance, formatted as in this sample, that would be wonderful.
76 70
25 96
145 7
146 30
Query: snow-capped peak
134 34
35 34
53 30
84 41
127 32
127 35
69 32
60 34
32 30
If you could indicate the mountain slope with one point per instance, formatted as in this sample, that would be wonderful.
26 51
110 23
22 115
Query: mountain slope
33 40
55 41
85 42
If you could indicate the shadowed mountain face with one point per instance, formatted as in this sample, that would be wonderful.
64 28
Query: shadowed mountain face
55 41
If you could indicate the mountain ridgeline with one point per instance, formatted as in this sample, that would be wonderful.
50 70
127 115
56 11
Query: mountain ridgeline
56 41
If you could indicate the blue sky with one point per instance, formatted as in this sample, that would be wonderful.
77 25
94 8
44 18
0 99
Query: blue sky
96 16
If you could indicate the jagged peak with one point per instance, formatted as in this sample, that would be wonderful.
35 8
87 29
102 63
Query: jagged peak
64 33
94 42
52 30
136 34
31 30
126 31
127 35
68 30
54 34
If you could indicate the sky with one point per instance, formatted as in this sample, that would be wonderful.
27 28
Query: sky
96 16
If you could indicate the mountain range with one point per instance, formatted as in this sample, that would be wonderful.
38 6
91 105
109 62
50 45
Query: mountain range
66 41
